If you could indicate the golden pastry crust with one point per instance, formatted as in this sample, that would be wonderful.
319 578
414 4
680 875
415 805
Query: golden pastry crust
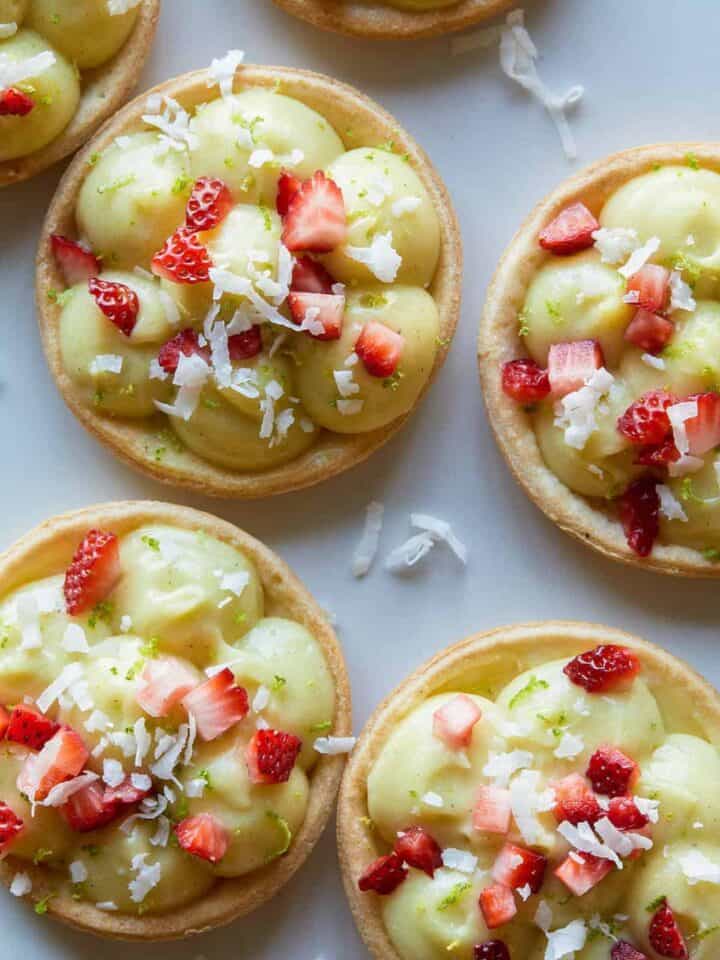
48 548
104 90
333 453
381 22
492 658
588 520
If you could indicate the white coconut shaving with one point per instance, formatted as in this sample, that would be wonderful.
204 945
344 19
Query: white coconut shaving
502 766
381 258
13 72
367 549
21 885
681 297
106 363
222 71
117 7
67 676
334 746
8 30
615 244
74 639
670 507
570 746
148 876
575 412
638 258
698 868
432 531
460 860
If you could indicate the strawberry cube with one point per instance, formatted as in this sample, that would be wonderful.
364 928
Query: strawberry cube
163 683
572 230
492 812
517 867
649 331
579 877
571 365
498 906
651 287
453 723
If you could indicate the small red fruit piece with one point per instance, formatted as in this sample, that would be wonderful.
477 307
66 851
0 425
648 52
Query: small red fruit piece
658 456
492 810
703 431
380 349
271 756
570 231
498 906
571 365
89 809
117 301
217 704
77 264
640 515
525 381
649 331
30 727
453 723
607 667
11 826
288 186
125 794
245 345
15 103
622 950
310 276
384 875
163 683
652 285
517 867
62 758
185 342
183 259
576 803
665 935
624 814
326 309
210 202
4 722
418 849
646 421
203 836
315 220
580 878
492 950
611 772
93 572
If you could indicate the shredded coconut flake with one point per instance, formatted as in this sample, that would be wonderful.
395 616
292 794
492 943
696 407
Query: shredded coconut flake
575 413
222 71
681 297
334 746
698 868
638 258
74 639
461 860
67 676
381 259
367 548
670 507
570 746
21 885
615 245
657 363
13 72
502 766
7 30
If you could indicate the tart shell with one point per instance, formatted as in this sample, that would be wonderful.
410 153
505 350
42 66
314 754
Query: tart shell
588 520
51 546
104 89
491 658
333 453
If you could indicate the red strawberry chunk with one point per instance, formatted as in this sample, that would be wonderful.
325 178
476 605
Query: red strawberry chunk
453 723
89 808
15 103
203 836
210 202
570 231
4 722
288 187
576 803
117 301
571 365
315 220
491 950
62 758
525 381
659 455
77 264
665 935
163 683
325 309
651 284
384 875
309 276
646 421
640 515
611 772
517 867
217 704
11 826
580 878
418 849
492 810
125 794
703 431
93 572
271 756
498 906
183 259
30 727
607 667
186 342
624 814
380 349
622 950
649 331
245 345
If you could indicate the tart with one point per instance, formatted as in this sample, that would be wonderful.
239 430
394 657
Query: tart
598 357
168 686
546 790
199 330
65 66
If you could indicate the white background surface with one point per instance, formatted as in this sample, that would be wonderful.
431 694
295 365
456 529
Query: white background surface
649 67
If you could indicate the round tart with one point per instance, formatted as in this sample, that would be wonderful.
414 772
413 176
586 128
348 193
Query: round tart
65 66
160 771
204 335
598 357
543 790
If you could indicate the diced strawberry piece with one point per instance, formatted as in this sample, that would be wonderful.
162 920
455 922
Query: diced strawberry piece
575 801
310 276
117 301
652 285
666 936
4 722
93 572
492 810
183 259
62 758
210 202
607 667
571 365
611 772
327 309
384 875
640 515
492 950
658 456
570 231
163 683
89 808
517 867
315 220
125 794
453 723
245 345
271 756
217 704
580 878
624 814
15 103
703 431
646 421
77 264
380 349
186 342
30 727
288 187
525 381
203 836
622 950
11 826
649 331
498 906
418 849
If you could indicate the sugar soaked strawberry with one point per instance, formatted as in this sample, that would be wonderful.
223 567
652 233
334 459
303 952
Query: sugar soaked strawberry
418 849
384 875
572 230
611 772
665 935
117 302
525 381
209 204
606 667
640 515
646 421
